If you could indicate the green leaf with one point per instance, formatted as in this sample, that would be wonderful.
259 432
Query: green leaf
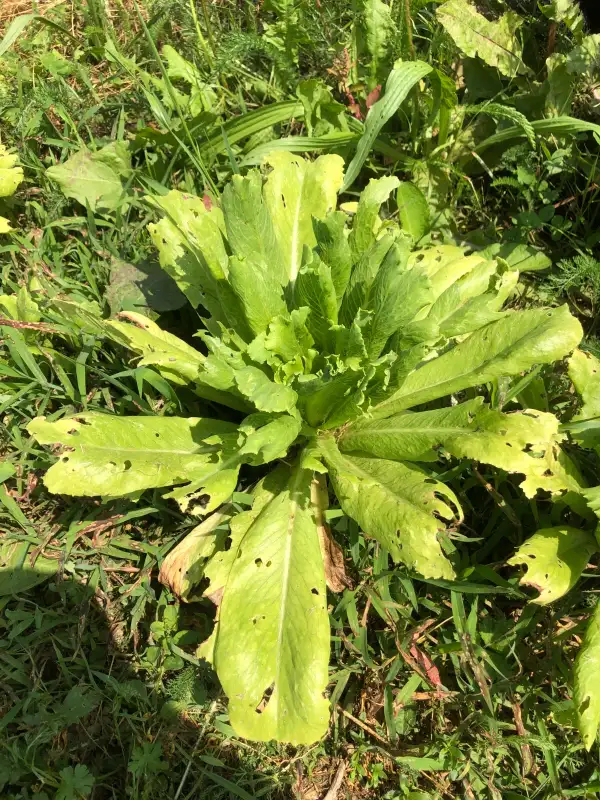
259 295
13 31
314 289
114 456
183 568
16 573
93 179
379 32
559 127
587 687
250 227
397 504
413 209
472 301
189 240
268 437
146 760
555 559
11 175
142 287
367 223
584 371
506 347
401 80
395 298
263 392
322 397
296 191
322 114
494 41
362 278
272 643
521 442
75 782
518 256
333 248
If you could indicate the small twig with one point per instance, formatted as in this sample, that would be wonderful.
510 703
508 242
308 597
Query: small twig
362 725
34 326
337 782
576 196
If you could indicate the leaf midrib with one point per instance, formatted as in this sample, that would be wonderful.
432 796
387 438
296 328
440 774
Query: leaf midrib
457 377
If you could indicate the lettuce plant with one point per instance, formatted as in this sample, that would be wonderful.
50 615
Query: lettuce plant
349 361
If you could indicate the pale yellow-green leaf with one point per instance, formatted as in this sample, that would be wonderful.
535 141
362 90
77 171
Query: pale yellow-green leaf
295 191
112 456
395 503
555 559
271 648
11 175
495 41
514 343
189 240
587 682
183 568
584 371
5 225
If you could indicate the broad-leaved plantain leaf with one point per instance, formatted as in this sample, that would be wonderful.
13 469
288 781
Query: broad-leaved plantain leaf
555 559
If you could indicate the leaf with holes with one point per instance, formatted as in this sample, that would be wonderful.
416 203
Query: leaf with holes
555 559
272 643
331 348
495 41
587 685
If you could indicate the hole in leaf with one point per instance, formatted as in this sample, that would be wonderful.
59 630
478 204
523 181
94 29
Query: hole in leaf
314 591
265 699
201 501
268 564
258 562
157 435
227 544
73 432
127 465
82 420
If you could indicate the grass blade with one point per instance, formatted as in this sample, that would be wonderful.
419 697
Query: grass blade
403 77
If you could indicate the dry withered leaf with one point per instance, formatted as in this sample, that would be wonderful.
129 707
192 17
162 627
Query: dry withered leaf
182 568
333 557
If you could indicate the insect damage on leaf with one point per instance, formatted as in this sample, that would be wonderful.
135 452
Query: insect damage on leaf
324 336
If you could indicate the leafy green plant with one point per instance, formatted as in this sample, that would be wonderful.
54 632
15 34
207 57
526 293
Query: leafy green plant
323 335
11 176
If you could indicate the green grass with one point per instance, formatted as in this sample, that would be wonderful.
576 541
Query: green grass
437 691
